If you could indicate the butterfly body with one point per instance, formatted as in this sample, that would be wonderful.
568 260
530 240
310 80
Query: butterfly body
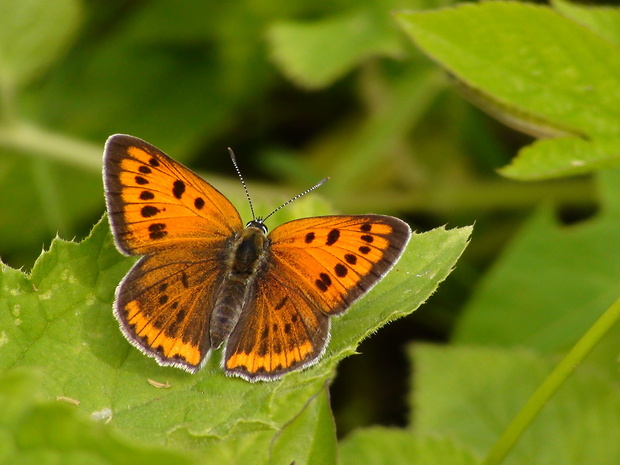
242 265
206 281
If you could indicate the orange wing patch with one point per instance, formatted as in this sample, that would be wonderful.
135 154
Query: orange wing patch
157 341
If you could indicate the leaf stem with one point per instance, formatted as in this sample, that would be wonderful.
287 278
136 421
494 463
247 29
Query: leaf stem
29 139
475 196
551 384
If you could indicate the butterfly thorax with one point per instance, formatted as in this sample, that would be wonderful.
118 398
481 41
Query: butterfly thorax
243 261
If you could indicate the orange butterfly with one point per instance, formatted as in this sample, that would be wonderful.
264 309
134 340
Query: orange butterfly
205 280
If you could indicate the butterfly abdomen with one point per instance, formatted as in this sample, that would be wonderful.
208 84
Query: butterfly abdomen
246 257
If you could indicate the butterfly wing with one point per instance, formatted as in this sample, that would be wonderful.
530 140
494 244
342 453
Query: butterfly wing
161 209
317 267
163 306
279 331
155 203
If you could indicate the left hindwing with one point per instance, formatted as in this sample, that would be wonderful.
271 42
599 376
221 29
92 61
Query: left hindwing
164 306
336 259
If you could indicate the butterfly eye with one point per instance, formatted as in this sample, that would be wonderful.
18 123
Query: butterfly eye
258 224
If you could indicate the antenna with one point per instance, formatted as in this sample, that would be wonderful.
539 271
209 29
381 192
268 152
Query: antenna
247 194
245 188
318 184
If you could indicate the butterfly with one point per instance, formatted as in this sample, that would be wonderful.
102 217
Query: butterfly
205 280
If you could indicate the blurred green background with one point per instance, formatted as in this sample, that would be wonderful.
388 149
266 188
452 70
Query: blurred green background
301 91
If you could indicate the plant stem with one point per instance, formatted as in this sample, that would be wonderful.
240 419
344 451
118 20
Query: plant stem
476 196
551 384
29 140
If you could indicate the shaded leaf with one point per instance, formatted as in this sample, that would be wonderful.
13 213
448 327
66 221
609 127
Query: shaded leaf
38 431
315 54
311 437
471 395
568 277
33 33
390 446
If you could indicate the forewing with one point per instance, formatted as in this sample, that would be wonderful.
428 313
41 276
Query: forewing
155 203
334 260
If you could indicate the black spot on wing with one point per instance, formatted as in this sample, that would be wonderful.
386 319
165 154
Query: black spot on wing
178 188
149 211
157 231
282 303
332 237
340 270
184 280
323 282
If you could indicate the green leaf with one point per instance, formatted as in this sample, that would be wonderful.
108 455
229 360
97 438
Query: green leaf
602 20
567 276
471 394
59 321
390 446
311 437
42 195
553 158
38 431
33 33
533 69
316 54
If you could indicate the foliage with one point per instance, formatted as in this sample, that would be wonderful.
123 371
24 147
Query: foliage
302 90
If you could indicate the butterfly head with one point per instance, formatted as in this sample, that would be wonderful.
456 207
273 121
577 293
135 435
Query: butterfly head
258 224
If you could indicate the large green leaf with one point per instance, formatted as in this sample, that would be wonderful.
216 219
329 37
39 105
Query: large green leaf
535 70
37 430
603 20
59 321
